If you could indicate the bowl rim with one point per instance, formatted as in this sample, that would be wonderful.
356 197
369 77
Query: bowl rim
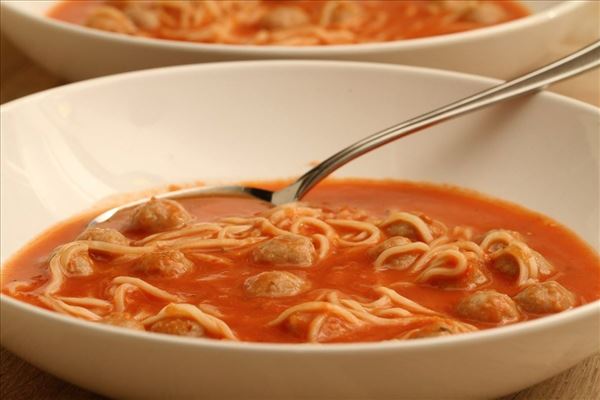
586 311
560 8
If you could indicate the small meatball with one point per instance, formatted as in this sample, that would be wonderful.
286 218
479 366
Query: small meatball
79 264
507 259
285 18
107 235
434 329
332 328
400 261
457 7
159 215
545 298
488 306
498 239
124 320
341 14
472 278
298 324
112 20
285 250
404 229
507 264
394 241
167 263
178 326
142 16
487 14
410 230
275 284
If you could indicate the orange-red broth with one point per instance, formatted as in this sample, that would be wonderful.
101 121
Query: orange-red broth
576 265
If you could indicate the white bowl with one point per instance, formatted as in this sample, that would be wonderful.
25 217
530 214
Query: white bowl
67 148
502 51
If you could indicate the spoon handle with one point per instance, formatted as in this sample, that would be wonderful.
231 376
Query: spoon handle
571 65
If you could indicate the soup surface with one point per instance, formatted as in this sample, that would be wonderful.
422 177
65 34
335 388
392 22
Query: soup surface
359 260
289 23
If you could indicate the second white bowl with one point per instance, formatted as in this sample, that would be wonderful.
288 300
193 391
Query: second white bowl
502 51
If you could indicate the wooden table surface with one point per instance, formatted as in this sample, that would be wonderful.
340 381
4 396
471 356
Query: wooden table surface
19 76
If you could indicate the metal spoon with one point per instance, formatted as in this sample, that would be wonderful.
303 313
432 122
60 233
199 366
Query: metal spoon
574 64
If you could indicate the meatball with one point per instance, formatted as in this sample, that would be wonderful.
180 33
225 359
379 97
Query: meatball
488 306
142 16
507 259
167 263
404 229
346 15
107 235
159 215
434 329
178 326
124 320
469 280
545 298
275 284
498 239
112 20
394 241
506 263
459 7
414 227
285 18
487 13
398 261
331 328
79 264
285 250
